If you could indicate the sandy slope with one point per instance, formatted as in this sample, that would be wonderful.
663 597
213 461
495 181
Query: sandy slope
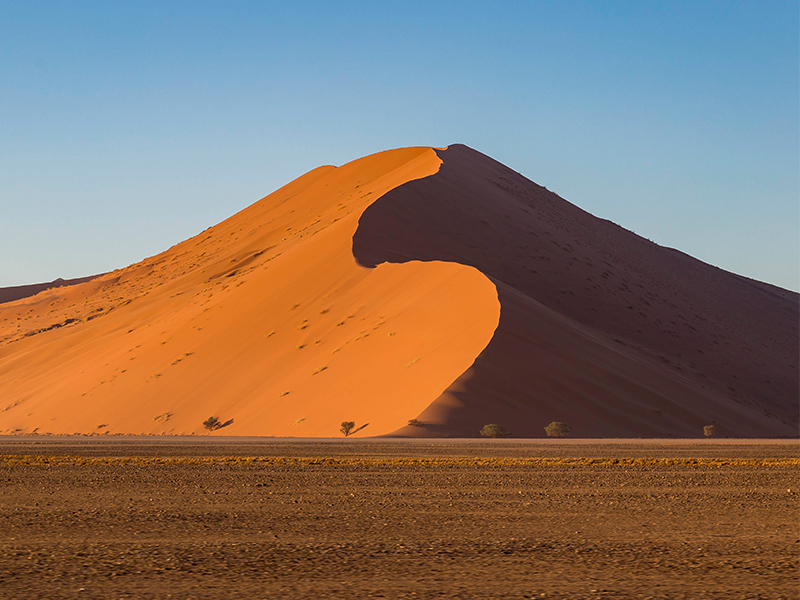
266 320
366 292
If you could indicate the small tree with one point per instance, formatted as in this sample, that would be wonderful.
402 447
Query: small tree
494 430
710 431
347 427
415 423
212 423
557 429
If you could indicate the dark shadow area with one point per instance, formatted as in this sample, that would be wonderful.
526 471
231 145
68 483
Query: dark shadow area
598 326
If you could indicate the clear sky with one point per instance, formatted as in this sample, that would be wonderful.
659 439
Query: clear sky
128 127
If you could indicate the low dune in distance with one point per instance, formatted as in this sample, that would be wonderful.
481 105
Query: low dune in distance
419 283
9 294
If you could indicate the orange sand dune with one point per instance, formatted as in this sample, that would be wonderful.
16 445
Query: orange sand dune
414 283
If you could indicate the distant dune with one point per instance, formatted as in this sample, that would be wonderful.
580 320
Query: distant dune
419 283
9 294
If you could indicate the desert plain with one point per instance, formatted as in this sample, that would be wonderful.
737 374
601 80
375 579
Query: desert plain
211 517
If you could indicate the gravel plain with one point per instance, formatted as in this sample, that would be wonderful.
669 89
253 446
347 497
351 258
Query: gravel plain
119 517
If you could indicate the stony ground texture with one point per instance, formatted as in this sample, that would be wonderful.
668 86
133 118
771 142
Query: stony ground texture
81 518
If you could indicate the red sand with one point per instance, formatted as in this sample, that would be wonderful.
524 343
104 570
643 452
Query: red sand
290 317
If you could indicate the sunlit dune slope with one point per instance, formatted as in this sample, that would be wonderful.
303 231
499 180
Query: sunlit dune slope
265 321
599 328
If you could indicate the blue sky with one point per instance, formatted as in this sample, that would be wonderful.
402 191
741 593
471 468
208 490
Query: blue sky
128 127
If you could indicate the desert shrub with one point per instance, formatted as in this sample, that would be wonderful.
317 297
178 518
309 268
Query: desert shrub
347 427
415 423
557 429
212 423
494 430
710 430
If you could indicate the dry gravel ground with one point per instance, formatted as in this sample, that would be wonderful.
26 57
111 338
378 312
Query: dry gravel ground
192 518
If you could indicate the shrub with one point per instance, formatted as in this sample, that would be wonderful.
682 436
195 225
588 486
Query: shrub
415 423
710 431
557 429
495 431
212 423
347 427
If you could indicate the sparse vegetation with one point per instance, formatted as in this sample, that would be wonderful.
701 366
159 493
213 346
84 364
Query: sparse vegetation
394 461
415 423
710 431
212 423
347 427
557 429
494 430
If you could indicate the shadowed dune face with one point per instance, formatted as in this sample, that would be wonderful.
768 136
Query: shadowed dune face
265 321
599 327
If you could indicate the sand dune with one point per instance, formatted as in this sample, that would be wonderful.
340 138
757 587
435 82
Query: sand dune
414 283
